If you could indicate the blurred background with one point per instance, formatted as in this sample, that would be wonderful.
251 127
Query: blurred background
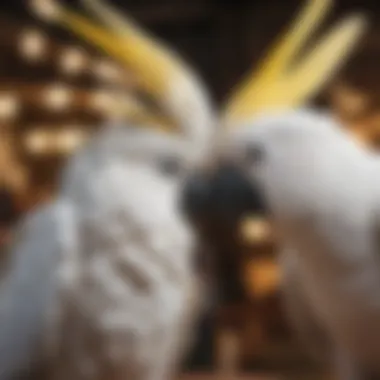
55 92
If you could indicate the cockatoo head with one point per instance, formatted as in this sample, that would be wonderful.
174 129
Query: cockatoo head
228 195
285 81
158 145
295 158
143 167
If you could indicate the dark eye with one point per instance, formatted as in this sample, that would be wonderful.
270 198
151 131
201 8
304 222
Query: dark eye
253 154
170 166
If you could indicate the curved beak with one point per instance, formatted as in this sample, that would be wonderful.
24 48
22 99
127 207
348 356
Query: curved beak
216 202
222 196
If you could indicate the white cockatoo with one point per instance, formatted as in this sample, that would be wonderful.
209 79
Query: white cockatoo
286 81
322 191
101 282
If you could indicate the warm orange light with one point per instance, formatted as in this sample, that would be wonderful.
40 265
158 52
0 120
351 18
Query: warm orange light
349 102
69 139
33 45
73 61
38 142
255 230
262 277
9 107
58 97
48 10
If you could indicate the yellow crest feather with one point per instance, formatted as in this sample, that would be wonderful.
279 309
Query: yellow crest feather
133 110
157 69
278 60
282 82
150 65
151 73
308 76
155 66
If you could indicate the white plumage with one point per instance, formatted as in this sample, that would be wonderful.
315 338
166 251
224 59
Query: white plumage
323 191
132 272
122 293
298 309
29 288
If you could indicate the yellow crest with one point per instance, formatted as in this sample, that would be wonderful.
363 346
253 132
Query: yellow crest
156 68
284 79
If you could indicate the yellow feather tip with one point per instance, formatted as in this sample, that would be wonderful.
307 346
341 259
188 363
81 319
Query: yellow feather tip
155 66
280 57
282 82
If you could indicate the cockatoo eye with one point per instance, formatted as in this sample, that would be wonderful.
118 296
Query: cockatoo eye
253 154
170 166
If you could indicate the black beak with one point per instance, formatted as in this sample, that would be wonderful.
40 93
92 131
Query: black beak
215 203
222 197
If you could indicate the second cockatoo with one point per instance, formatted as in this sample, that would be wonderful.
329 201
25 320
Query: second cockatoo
322 192
287 80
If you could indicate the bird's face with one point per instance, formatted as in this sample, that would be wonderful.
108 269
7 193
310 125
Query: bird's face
266 163
137 169
291 158
220 197
215 200
251 159
151 158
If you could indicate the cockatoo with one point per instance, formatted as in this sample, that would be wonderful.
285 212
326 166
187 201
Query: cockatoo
322 191
286 80
102 282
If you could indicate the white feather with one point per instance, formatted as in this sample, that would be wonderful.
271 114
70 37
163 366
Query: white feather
324 191
110 264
